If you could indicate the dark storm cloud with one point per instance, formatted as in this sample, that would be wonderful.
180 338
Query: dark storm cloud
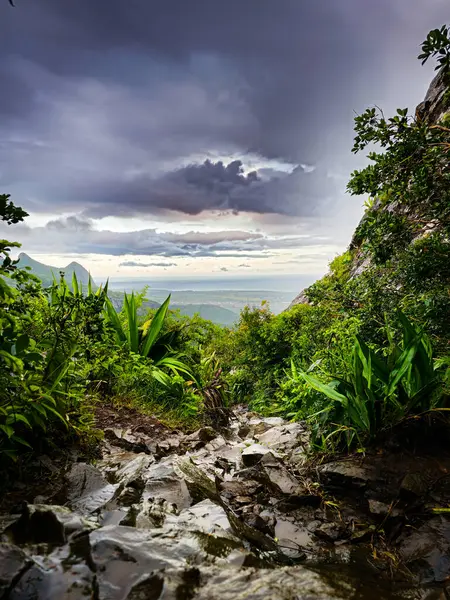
214 186
103 102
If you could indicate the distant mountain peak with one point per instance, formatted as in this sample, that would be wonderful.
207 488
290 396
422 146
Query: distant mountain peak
47 272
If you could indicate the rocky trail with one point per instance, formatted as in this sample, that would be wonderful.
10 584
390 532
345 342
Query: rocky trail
242 513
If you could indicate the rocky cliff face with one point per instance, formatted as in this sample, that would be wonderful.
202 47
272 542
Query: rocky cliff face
434 108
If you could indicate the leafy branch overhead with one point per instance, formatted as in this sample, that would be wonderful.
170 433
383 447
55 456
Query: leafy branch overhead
437 45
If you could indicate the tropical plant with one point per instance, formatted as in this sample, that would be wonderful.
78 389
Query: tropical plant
378 391
142 339
31 376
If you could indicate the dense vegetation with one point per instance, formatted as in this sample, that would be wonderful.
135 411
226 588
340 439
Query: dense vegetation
369 350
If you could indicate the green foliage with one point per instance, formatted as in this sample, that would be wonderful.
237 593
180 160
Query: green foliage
376 391
142 339
437 45
372 367
45 354
63 346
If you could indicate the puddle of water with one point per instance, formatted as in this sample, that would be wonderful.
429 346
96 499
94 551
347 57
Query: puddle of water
291 536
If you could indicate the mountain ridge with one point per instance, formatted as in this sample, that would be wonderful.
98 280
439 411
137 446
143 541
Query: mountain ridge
47 273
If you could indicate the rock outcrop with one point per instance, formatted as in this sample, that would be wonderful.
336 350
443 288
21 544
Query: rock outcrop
433 109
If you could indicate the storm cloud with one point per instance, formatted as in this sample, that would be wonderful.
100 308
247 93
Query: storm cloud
176 109
63 236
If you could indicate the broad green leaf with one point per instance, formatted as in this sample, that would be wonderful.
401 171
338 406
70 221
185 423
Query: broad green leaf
329 391
13 362
155 327
14 418
103 290
22 343
115 321
20 440
378 366
132 331
402 365
75 287
409 332
424 392
294 372
7 429
161 377
56 413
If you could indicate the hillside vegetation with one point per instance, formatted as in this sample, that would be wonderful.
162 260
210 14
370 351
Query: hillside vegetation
366 350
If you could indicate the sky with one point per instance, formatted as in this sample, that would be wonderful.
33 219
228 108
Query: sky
203 138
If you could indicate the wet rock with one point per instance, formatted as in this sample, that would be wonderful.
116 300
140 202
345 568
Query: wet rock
205 434
276 584
254 536
238 487
346 473
197 525
116 517
128 441
39 524
313 525
134 470
87 489
153 513
330 532
206 516
257 522
190 581
51 581
244 431
298 501
260 426
279 476
243 499
200 485
46 524
413 486
363 534
162 481
131 494
283 439
150 588
253 454
124 557
225 465
380 509
426 550
13 563
7 520
171 445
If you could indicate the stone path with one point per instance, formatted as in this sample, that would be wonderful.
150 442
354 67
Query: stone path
230 515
